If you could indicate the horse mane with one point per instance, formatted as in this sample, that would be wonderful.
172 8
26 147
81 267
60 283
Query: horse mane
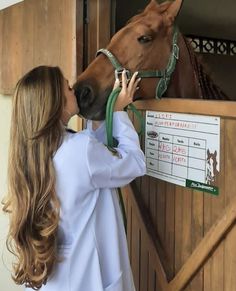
209 90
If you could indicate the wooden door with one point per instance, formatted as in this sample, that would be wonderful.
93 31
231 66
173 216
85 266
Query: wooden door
183 239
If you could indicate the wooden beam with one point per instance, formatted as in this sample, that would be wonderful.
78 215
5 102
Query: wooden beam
191 106
205 247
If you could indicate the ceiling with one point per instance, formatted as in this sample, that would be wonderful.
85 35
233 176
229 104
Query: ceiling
209 18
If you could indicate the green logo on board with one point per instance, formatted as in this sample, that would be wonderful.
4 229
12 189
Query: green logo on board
202 187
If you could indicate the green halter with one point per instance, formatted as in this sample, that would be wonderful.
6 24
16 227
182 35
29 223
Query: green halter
161 88
164 75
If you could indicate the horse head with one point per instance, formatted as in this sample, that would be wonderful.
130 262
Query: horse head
145 43
212 171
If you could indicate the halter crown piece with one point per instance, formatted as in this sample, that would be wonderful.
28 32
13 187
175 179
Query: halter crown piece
164 75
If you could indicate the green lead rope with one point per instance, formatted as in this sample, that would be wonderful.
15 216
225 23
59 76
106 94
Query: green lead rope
110 141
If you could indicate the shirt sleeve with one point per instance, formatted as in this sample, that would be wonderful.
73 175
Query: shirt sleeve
111 170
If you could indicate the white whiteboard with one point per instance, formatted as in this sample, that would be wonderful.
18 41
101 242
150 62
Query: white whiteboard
183 149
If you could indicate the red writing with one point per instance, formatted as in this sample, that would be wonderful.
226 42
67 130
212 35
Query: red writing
165 147
179 150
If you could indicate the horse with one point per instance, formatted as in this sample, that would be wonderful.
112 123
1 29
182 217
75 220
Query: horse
211 168
151 44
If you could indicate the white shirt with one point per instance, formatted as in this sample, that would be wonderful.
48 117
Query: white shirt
91 235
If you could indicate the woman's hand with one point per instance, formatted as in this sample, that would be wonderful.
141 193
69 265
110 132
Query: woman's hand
126 94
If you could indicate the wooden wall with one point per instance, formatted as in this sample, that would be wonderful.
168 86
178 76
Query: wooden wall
97 27
183 239
40 32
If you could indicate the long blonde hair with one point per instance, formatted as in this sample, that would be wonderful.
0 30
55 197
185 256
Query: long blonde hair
32 203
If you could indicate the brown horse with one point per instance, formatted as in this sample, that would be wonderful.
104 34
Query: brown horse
150 44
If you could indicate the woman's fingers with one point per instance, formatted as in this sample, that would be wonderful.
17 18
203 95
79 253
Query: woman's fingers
116 84
124 80
133 80
128 90
134 87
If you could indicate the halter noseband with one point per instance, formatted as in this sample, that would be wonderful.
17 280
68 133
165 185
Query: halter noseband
164 75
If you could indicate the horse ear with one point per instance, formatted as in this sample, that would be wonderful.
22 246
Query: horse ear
173 10
164 6
151 5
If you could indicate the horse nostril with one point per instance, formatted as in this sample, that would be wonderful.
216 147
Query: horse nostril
84 95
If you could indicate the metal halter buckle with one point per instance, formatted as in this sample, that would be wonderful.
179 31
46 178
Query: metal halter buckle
176 51
118 74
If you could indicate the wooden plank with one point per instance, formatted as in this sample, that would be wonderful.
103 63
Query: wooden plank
170 228
178 227
28 35
104 27
135 251
154 259
93 29
11 47
144 263
230 261
145 191
151 277
205 247
230 190
129 226
80 37
197 233
218 207
161 211
153 201
186 246
192 106
68 37
41 36
207 210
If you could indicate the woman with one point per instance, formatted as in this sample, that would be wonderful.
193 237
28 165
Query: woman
66 227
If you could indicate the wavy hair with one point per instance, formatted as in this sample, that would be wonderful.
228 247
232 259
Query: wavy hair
32 203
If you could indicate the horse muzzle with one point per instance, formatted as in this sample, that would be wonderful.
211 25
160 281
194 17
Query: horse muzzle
91 104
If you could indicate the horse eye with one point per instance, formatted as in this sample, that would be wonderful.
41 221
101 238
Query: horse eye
144 38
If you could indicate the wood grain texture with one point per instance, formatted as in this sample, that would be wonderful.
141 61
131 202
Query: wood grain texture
185 219
37 33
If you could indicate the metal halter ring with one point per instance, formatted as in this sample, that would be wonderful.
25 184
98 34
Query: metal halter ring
118 74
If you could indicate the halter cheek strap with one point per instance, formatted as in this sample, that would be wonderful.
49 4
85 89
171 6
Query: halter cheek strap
164 75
